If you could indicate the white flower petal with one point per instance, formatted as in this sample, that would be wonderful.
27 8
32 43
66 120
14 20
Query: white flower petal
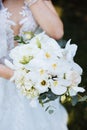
77 68
79 89
58 90
74 90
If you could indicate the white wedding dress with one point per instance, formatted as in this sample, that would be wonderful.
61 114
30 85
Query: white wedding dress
15 110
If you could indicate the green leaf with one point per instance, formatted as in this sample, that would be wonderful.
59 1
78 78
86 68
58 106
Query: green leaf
16 37
41 102
51 111
26 60
82 99
51 96
38 43
42 96
47 108
74 100
19 39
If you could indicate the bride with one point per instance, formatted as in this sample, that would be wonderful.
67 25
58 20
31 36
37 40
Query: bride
17 16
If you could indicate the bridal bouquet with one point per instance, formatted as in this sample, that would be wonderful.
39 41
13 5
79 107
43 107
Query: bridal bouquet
43 70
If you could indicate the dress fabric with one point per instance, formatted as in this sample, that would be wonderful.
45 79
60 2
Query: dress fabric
15 110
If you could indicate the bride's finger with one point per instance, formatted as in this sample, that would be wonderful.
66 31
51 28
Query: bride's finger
9 64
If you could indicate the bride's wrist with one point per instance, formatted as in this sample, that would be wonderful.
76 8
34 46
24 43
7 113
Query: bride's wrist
6 72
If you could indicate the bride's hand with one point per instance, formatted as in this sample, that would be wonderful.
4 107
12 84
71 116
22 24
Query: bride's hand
6 72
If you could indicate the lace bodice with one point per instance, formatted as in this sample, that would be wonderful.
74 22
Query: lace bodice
28 23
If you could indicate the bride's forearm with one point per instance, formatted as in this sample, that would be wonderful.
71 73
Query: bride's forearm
46 16
6 72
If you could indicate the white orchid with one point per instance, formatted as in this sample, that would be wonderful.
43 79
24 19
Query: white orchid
74 90
59 86
69 51
77 68
59 67
75 79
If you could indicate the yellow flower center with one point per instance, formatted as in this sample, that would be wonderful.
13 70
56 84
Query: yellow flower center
54 66
43 83
47 55
41 71
55 83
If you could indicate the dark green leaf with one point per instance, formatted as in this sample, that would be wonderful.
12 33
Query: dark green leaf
74 100
51 111
82 99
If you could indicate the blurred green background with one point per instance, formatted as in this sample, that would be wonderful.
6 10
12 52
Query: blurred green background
74 16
